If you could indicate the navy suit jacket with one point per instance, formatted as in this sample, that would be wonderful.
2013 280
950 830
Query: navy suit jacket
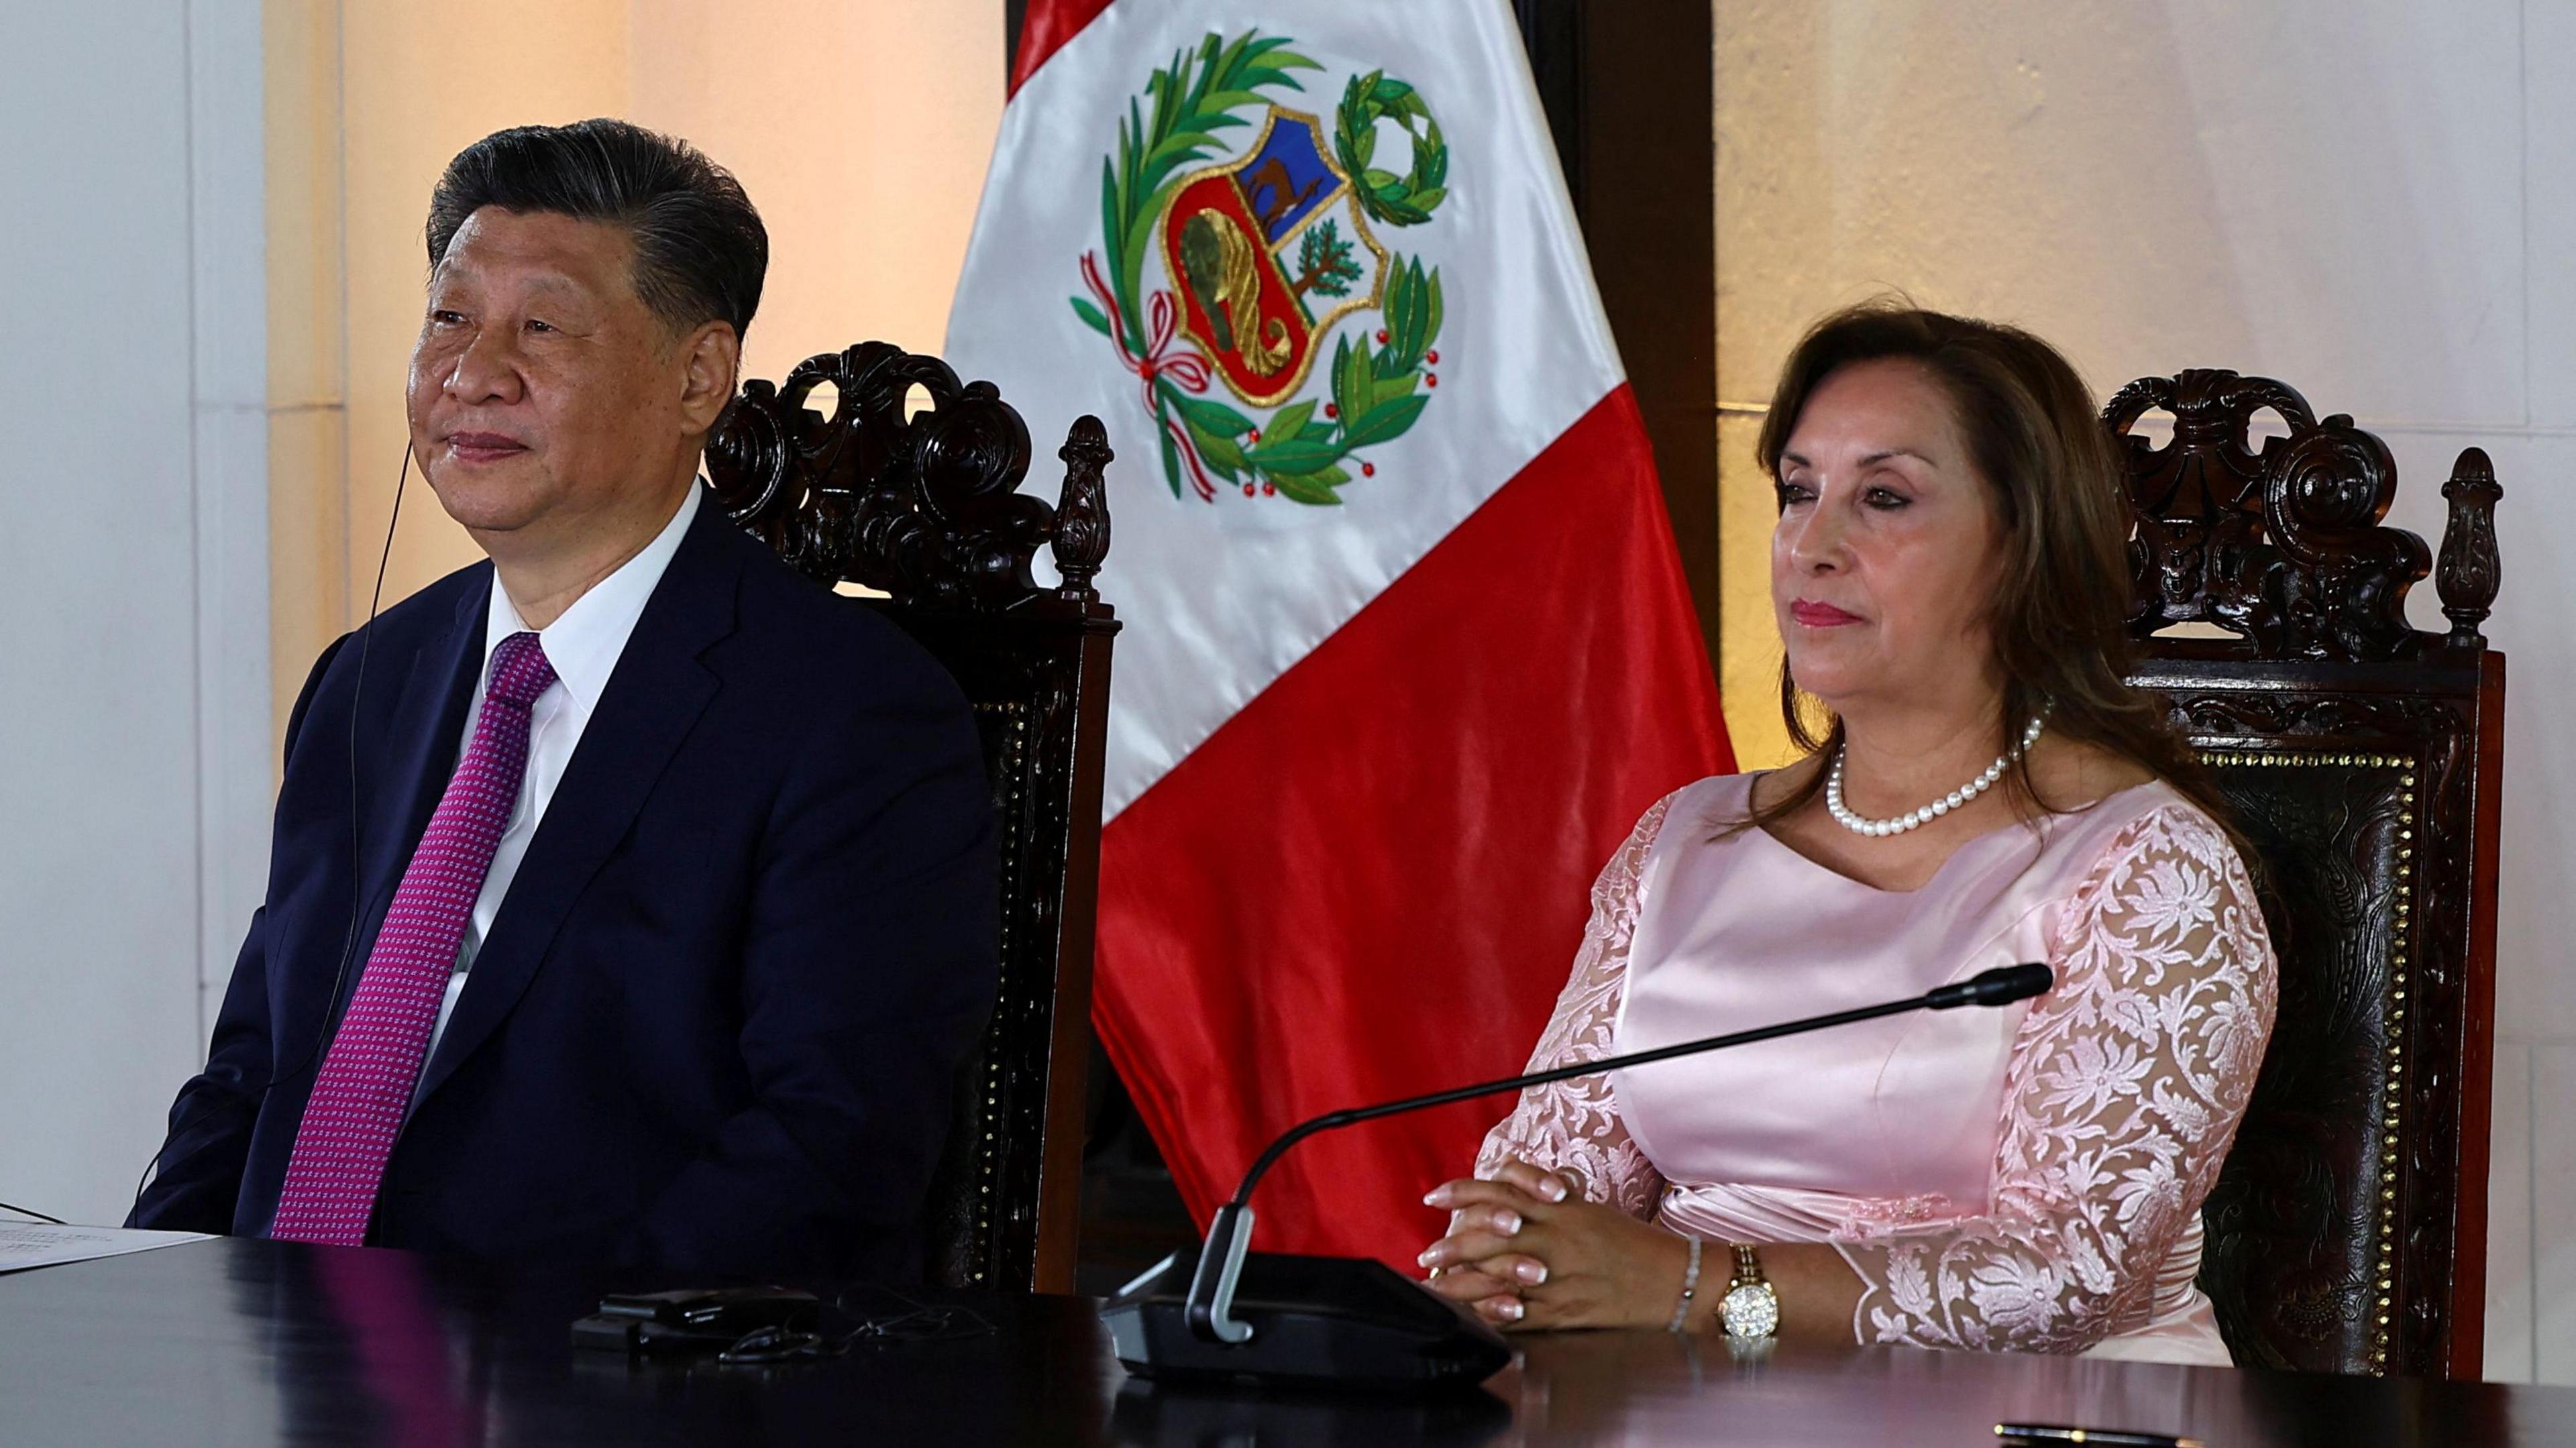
717 1021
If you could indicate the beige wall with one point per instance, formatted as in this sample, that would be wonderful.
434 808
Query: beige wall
861 129
2373 200
2149 185
134 781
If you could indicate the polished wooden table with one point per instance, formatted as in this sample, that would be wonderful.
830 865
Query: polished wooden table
232 1342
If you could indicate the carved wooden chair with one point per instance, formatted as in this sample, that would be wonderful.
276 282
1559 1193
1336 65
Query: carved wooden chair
923 506
2347 1232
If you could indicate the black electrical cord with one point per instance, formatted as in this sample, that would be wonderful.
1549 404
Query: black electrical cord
348 942
917 1323
39 1216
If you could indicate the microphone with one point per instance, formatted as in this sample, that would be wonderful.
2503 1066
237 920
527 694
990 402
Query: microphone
1268 1319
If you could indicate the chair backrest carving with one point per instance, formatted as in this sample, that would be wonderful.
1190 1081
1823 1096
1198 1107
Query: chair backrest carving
923 505
2364 758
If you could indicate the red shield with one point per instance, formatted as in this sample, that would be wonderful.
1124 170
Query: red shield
1236 302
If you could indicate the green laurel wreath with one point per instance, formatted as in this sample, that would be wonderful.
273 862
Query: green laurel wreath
1374 400
1375 394
1406 200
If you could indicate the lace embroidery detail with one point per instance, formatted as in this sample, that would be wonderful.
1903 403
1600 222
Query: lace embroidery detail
1885 1215
1574 1126
2124 1091
2123 1094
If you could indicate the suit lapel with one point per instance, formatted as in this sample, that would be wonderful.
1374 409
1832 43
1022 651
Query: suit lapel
416 709
421 743
653 699
399 792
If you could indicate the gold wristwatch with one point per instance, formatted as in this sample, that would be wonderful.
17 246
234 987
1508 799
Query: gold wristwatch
1750 1310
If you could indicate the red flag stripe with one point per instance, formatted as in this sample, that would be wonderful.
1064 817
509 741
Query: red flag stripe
1371 881
1045 29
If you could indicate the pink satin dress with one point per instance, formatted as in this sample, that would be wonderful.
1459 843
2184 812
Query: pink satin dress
2026 1178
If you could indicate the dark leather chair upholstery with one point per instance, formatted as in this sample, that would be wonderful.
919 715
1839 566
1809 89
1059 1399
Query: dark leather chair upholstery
924 506
2347 1232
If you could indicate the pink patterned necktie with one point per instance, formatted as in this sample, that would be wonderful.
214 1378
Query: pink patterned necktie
365 1088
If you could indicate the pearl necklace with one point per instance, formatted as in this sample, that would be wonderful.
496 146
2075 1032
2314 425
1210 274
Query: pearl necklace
1858 825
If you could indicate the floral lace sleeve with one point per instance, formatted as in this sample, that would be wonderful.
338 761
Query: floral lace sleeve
2125 1087
1573 1126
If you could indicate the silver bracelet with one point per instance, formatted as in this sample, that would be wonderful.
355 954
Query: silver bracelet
1690 1285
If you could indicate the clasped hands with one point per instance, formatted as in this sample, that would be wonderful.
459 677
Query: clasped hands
1525 1250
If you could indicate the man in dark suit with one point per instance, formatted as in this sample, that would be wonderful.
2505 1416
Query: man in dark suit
632 899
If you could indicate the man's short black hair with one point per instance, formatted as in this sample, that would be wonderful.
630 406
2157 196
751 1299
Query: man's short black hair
700 250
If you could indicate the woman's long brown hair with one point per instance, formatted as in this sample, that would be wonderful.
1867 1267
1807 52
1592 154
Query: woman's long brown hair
2059 612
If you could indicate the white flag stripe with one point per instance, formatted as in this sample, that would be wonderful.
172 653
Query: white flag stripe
1221 596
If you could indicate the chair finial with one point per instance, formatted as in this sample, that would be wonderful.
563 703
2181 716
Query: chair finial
1081 541
2469 571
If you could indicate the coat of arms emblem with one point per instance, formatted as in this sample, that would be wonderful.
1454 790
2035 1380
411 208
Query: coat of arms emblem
1263 257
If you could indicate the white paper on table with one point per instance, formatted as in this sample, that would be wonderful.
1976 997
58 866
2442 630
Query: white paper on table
34 1244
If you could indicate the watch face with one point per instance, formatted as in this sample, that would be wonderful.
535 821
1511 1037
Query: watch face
1752 1310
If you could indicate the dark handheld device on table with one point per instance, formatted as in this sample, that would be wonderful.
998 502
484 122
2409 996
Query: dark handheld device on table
693 1321
1226 1313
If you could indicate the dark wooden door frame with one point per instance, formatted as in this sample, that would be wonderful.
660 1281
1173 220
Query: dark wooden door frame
1629 92
1628 87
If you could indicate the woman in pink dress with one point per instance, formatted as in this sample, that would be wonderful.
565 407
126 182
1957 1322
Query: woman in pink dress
1949 575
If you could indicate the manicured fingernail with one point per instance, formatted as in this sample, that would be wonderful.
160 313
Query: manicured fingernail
1430 1257
1509 1311
1552 1189
1507 1222
1437 1196
1532 1273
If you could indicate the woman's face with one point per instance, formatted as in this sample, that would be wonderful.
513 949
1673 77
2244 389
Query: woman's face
1887 550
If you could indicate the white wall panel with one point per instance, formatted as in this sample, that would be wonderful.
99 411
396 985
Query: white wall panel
132 569
228 392
2510 1357
2547 79
2553 1180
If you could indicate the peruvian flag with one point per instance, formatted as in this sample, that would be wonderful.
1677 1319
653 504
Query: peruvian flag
1407 645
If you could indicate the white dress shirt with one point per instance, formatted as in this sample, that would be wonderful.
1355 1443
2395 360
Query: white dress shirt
583 645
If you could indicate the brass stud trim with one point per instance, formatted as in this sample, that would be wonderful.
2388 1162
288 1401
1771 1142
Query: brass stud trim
2392 1100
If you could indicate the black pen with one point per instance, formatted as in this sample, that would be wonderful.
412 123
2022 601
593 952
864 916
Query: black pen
2110 1437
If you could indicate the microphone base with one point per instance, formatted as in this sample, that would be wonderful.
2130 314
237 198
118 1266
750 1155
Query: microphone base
1335 1323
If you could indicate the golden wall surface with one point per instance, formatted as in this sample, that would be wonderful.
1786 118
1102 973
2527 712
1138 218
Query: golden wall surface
860 130
2034 162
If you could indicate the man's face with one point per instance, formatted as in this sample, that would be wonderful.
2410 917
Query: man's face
544 394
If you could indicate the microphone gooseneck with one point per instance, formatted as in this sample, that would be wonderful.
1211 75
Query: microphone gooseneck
1998 987
1220 1265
